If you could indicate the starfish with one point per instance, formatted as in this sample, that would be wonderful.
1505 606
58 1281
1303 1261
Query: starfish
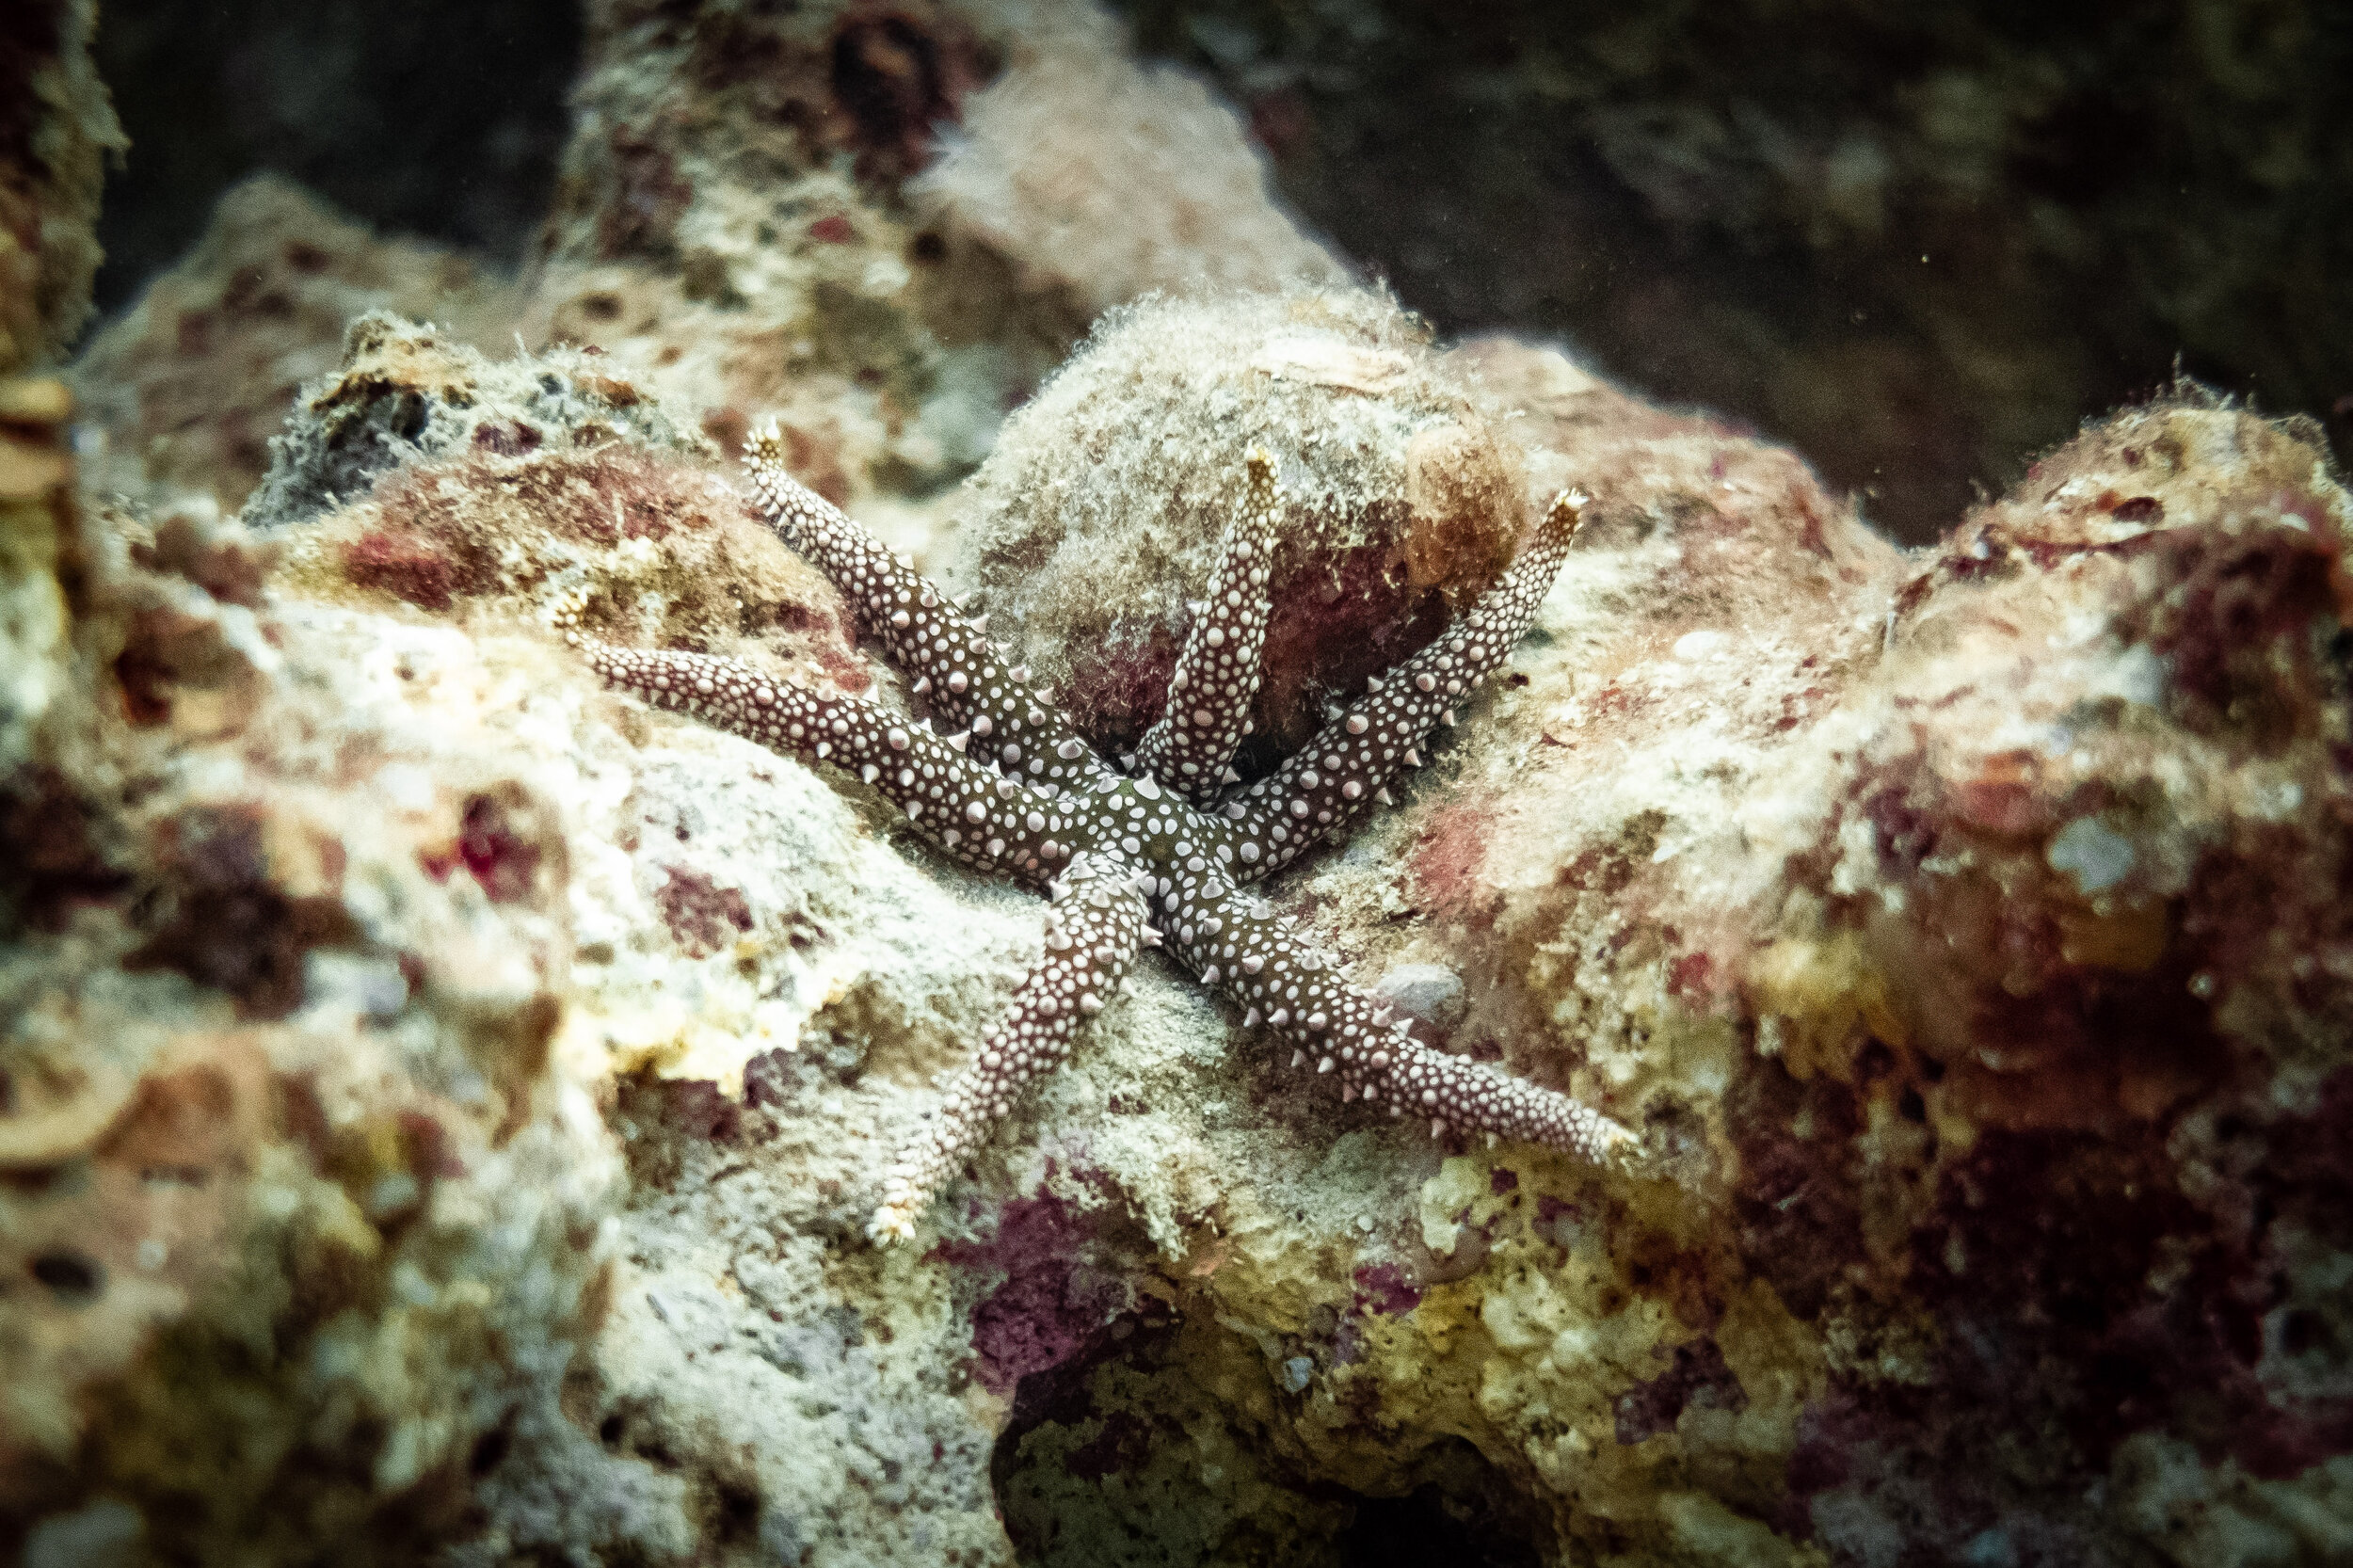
1152 853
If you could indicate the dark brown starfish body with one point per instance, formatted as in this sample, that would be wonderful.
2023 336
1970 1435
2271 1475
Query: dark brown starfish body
1157 854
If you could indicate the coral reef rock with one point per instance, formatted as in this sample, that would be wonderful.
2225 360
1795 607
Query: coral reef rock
1099 512
189 385
755 216
306 1193
1961 931
440 1098
1113 181
56 126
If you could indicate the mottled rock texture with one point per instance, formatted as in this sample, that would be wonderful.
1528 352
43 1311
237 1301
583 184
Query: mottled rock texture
56 127
1961 929
303 1202
1098 515
735 219
1727 205
189 385
1106 181
739 225
438 1099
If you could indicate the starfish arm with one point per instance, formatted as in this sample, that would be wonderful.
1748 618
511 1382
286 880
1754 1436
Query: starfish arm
952 663
1093 929
1338 777
1218 671
985 822
1285 982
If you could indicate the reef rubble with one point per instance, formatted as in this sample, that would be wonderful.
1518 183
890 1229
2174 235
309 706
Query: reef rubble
440 1099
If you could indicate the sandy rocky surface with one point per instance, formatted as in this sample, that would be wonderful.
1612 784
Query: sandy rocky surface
439 1100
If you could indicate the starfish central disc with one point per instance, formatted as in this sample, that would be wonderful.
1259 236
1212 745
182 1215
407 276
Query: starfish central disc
1155 856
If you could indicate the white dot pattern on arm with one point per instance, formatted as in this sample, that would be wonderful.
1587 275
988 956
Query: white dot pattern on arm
1217 674
1338 779
1131 860
975 817
1284 981
949 658
1093 929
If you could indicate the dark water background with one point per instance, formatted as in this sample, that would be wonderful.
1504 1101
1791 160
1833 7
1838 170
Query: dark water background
1920 242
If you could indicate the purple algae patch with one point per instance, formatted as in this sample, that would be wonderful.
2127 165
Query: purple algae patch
1698 1377
1383 1290
1051 1306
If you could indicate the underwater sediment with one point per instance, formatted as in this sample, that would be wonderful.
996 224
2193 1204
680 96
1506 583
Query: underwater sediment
441 1099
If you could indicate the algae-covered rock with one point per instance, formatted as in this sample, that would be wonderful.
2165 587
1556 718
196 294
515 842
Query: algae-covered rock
189 386
440 1099
404 392
1098 515
755 217
1904 903
303 1201
1749 848
36 513
57 128
1092 174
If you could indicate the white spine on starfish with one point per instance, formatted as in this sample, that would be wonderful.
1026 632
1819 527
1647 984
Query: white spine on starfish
988 823
1217 673
950 659
1093 930
1337 779
1111 839
1268 969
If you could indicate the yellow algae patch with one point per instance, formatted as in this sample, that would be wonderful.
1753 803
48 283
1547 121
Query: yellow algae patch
1704 1530
1780 1362
1809 994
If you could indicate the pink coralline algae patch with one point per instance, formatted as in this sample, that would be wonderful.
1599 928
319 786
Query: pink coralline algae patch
507 519
1054 1306
507 439
1123 692
1385 1289
1697 1376
1341 620
1338 618
2089 984
596 498
1447 858
554 490
702 915
492 850
693 1108
406 564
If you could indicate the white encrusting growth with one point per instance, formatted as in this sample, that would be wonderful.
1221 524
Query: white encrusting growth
1016 790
